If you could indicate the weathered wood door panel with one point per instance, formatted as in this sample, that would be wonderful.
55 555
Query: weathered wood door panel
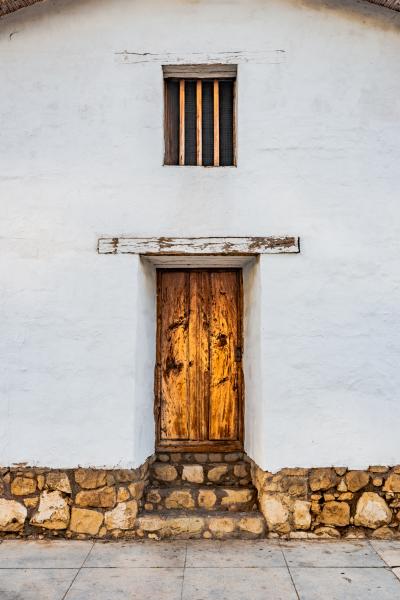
199 379
223 418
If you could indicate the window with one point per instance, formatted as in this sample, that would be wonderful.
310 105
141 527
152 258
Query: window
200 127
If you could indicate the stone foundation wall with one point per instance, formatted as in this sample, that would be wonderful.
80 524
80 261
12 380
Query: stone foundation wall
296 503
330 502
72 503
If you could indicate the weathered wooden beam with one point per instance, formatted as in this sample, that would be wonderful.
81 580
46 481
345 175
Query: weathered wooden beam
200 71
200 245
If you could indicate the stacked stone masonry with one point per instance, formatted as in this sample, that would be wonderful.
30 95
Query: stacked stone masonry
330 502
200 496
77 503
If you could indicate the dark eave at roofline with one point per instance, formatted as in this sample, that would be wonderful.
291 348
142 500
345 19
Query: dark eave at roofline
10 6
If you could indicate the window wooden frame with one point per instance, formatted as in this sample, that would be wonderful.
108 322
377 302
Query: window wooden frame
216 74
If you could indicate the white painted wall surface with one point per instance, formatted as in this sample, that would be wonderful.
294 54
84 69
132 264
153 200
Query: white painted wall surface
81 158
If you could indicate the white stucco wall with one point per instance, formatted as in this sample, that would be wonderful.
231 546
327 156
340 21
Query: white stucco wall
81 157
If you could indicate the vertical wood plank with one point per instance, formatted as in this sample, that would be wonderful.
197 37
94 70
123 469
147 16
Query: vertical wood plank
198 354
216 123
173 323
199 115
182 122
224 411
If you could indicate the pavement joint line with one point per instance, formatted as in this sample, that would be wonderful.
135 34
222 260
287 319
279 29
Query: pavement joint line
288 570
77 573
183 570
380 556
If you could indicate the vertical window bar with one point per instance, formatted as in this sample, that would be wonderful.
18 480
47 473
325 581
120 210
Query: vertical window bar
226 123
199 121
190 123
171 122
207 135
181 122
216 123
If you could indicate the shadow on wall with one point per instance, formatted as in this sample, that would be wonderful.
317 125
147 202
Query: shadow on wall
361 11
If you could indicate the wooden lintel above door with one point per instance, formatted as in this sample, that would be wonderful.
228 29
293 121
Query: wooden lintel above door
200 246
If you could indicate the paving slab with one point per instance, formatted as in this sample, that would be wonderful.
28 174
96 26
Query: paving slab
345 584
43 554
234 553
388 550
238 584
397 572
35 584
127 584
137 554
331 554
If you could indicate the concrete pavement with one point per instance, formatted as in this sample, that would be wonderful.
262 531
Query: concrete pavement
199 570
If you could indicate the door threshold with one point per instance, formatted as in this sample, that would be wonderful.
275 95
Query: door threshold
200 447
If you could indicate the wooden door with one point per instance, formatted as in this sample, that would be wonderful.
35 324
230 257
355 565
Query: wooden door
199 381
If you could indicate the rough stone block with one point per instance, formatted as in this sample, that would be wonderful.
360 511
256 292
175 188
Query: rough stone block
356 480
58 480
165 472
233 457
216 473
241 470
90 478
220 526
53 511
322 479
31 502
23 486
86 521
240 496
301 514
193 473
287 484
327 532
372 511
136 489
276 514
335 513
383 533
98 498
206 499
215 457
253 525
123 516
179 499
122 494
201 457
172 526
12 515
392 483
153 496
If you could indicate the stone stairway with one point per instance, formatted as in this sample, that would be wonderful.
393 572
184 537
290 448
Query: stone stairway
200 496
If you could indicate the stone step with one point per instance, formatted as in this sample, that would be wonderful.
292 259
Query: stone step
199 457
222 498
232 474
176 524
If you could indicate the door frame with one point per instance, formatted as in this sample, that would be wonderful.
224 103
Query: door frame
197 445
